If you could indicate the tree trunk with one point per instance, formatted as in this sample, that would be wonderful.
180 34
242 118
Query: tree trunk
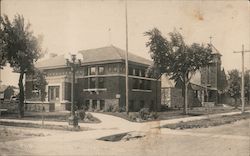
186 99
21 96
235 103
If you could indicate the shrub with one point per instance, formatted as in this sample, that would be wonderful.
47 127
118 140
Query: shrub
144 113
81 114
89 117
153 115
115 108
109 108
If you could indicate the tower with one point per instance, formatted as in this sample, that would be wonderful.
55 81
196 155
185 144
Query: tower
210 76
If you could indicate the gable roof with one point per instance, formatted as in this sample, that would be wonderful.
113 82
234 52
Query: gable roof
103 54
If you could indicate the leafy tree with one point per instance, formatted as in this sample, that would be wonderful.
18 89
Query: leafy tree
40 83
222 85
177 59
234 85
3 56
22 48
247 85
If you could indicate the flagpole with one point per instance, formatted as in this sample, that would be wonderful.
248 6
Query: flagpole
126 58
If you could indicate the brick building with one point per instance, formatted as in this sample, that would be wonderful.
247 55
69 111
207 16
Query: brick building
100 81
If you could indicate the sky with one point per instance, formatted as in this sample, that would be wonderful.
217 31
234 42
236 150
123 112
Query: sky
69 26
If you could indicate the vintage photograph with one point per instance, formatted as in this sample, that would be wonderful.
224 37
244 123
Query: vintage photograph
124 77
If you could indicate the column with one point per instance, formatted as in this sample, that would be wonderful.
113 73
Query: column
90 104
98 105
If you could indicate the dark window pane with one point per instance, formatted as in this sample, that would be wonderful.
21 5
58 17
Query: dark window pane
148 85
141 84
136 72
130 71
102 104
94 104
101 82
135 83
92 82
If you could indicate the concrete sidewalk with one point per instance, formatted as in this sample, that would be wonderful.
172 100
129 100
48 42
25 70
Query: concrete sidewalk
109 122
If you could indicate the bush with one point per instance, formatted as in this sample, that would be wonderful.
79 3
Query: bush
144 113
153 115
81 114
133 116
89 117
109 108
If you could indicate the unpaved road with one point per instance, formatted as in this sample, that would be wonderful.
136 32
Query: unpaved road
216 141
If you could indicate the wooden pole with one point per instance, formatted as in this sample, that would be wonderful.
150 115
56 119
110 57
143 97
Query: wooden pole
242 78
126 58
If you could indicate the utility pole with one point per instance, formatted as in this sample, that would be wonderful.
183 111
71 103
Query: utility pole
242 78
126 58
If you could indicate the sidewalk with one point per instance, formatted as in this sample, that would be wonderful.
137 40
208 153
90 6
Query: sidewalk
109 122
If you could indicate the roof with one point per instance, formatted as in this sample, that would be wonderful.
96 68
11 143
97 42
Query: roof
103 54
110 53
3 88
57 61
214 50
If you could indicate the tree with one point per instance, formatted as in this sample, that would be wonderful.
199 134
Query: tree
234 85
22 48
3 56
247 85
177 59
40 83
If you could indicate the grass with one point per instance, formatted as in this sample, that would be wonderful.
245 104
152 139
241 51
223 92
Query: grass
204 123
174 114
48 116
45 126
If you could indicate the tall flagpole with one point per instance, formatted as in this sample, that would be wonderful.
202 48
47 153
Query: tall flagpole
126 58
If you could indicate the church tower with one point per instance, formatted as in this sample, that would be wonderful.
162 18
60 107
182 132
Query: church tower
210 76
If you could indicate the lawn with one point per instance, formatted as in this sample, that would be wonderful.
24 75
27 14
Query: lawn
209 122
48 116
174 114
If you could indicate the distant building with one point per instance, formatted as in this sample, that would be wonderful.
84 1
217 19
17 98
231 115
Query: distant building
6 92
207 78
100 81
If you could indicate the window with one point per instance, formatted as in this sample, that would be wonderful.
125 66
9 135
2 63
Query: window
148 85
101 70
130 71
142 73
135 83
92 71
57 92
115 68
85 71
141 84
100 82
102 104
92 82
136 72
94 104
86 104
53 93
